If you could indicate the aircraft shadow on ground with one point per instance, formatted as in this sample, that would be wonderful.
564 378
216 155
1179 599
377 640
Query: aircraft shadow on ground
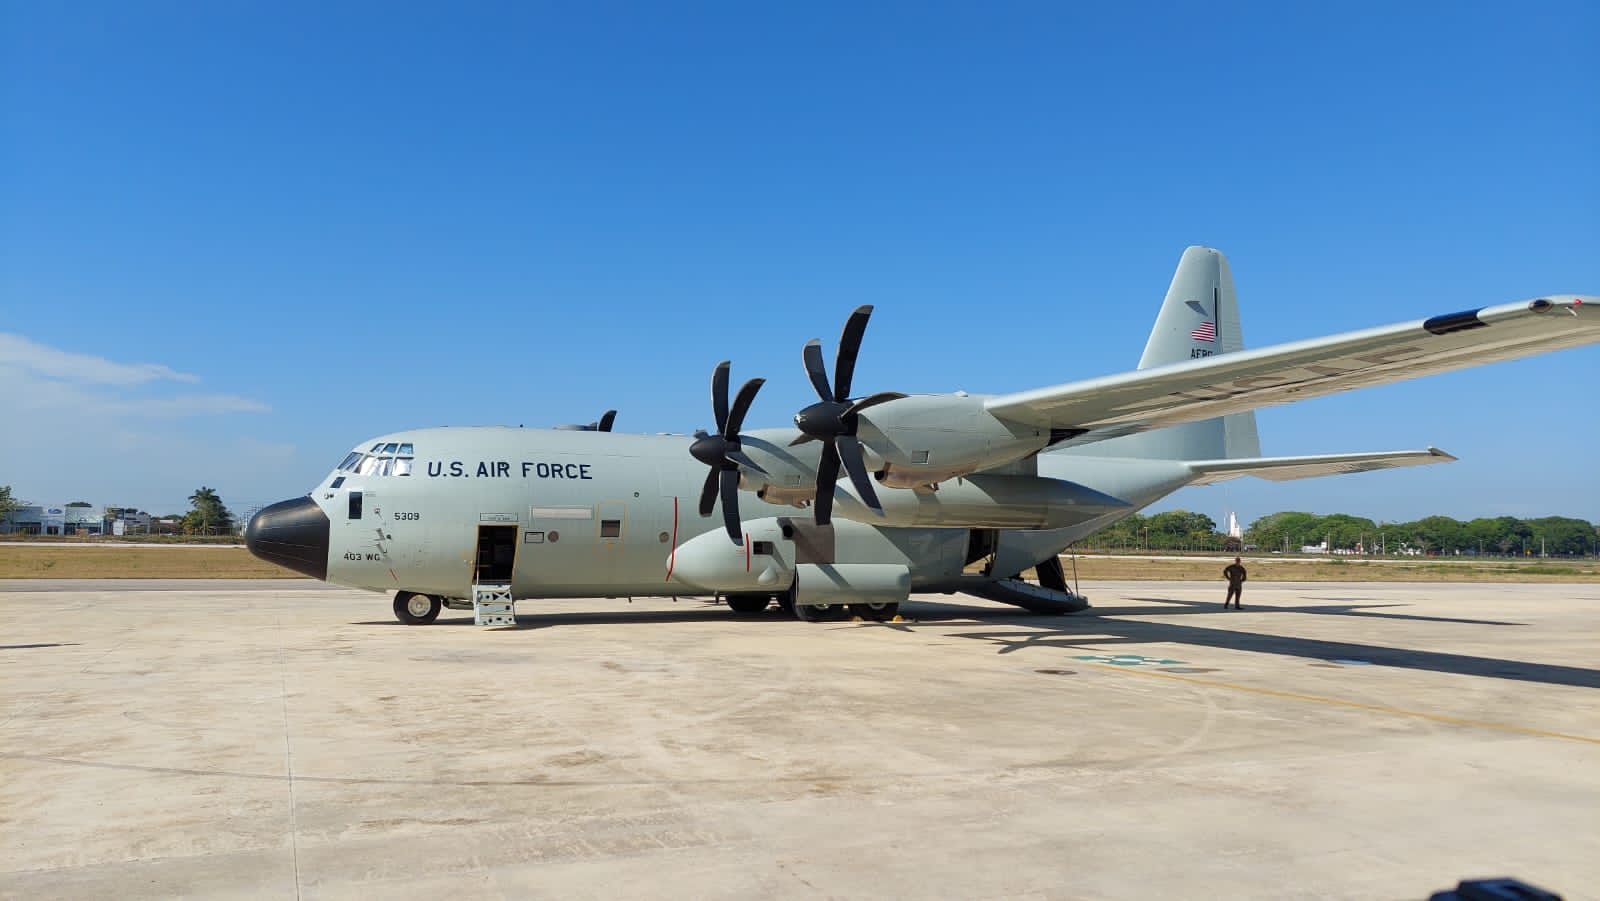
1349 608
1103 627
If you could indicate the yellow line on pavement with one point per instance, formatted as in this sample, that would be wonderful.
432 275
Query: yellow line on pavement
1355 705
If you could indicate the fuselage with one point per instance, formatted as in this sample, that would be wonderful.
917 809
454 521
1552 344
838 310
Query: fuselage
560 513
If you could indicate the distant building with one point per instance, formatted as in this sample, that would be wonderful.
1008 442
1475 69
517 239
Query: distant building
128 521
53 520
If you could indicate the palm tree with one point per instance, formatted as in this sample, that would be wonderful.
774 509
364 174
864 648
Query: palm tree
209 508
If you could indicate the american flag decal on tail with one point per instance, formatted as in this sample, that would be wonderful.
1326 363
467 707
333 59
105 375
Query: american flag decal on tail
1206 332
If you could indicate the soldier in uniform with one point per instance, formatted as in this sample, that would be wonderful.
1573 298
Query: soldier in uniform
1235 575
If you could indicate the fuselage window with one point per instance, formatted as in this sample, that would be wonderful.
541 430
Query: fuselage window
610 528
355 505
337 482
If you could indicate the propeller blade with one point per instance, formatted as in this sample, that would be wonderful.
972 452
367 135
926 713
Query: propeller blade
730 504
719 394
827 475
741 406
844 367
708 493
812 355
739 457
882 397
856 465
606 419
801 440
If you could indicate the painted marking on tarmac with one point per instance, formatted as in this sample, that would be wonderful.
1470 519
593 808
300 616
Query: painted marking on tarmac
1357 705
1127 660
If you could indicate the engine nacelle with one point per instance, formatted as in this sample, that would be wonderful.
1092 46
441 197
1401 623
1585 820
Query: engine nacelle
791 472
925 439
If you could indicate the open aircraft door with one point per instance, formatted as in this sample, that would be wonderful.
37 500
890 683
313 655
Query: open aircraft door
494 562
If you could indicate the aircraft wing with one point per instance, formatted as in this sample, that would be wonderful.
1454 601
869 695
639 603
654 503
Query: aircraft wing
1099 408
1283 469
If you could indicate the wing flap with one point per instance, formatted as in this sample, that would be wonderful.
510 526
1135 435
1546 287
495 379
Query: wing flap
1283 469
1189 391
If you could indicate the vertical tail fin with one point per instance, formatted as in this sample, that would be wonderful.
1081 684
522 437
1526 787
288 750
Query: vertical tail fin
1199 318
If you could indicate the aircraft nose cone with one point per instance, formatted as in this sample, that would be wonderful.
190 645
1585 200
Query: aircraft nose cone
292 534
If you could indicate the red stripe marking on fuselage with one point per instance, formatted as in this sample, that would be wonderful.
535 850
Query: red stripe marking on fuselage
672 556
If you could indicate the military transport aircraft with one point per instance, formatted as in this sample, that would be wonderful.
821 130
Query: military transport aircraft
865 498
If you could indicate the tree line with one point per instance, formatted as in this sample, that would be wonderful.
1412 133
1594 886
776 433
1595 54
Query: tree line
1289 531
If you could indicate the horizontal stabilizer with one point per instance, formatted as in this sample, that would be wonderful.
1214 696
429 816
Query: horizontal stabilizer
1283 469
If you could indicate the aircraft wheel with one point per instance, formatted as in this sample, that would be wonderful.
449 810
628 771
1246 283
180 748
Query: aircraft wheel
816 613
748 604
416 609
878 612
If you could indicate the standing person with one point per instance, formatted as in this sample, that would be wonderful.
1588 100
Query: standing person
1235 575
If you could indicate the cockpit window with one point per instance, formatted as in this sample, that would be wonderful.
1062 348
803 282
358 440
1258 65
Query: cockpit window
391 458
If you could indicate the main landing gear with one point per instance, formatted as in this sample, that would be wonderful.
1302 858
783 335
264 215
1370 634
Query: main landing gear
821 613
875 612
416 609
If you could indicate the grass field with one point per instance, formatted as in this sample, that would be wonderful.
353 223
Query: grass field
109 560
135 561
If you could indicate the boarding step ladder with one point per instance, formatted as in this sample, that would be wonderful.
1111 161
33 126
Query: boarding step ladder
492 604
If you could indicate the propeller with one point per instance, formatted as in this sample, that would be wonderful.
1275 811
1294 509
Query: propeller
722 451
603 425
834 418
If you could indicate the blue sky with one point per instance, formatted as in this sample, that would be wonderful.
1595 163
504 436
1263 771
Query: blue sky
237 239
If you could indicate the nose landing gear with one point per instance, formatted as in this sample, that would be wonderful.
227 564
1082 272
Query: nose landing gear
416 609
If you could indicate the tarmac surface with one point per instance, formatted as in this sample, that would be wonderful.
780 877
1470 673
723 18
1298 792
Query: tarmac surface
288 739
